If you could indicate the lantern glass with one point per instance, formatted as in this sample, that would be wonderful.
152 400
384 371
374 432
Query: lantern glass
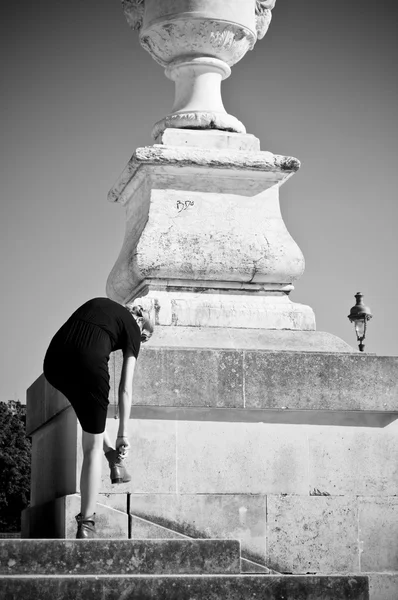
360 328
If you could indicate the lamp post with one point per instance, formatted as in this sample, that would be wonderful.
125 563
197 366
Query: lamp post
360 315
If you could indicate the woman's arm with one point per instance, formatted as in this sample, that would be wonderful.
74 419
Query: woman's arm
126 392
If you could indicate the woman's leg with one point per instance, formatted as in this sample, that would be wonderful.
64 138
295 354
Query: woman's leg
107 445
90 478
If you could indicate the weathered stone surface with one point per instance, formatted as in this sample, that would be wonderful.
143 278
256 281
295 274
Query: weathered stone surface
192 377
278 167
231 516
301 381
378 533
211 138
329 381
208 220
211 587
316 534
362 462
383 586
231 458
128 557
151 460
182 308
270 380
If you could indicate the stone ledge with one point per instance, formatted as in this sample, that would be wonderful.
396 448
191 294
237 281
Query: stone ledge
347 418
180 587
266 386
282 382
233 338
127 557
245 164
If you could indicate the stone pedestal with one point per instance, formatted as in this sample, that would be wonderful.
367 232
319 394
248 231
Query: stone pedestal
205 243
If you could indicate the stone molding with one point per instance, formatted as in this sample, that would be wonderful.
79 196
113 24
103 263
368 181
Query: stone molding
168 40
202 157
199 120
263 161
134 12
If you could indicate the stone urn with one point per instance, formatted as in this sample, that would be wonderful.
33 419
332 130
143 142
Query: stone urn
198 41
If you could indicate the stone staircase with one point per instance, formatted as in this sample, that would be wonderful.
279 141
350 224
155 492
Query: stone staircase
153 569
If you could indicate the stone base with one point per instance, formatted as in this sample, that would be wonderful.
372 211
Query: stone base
250 311
221 140
248 339
205 236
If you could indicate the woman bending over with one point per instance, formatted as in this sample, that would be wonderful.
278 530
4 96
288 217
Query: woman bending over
76 363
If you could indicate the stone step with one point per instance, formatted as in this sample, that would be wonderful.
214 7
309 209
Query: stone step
185 587
118 557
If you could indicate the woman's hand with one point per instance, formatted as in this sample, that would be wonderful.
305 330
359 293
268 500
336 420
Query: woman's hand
122 445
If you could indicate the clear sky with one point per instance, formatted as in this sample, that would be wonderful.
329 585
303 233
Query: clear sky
80 94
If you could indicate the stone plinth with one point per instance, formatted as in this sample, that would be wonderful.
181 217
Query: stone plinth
205 243
215 139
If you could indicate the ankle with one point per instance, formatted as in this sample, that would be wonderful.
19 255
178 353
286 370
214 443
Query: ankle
86 517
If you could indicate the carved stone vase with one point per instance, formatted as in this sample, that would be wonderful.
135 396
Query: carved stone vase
197 41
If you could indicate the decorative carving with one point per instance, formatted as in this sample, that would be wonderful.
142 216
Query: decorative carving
134 11
168 41
189 36
263 16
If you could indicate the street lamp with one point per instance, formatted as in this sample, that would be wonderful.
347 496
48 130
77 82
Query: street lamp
360 315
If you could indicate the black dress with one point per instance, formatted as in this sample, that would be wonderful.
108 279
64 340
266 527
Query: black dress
76 362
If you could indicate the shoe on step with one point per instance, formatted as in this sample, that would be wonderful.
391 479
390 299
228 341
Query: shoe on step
85 527
116 465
